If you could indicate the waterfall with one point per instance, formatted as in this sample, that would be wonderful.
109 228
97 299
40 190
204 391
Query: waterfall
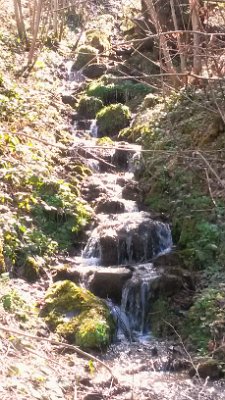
136 296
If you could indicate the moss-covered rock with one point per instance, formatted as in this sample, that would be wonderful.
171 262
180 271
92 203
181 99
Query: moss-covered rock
31 269
85 55
111 90
89 106
111 119
98 39
78 315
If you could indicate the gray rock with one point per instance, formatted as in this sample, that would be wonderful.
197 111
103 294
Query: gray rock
69 99
94 71
110 206
108 282
166 285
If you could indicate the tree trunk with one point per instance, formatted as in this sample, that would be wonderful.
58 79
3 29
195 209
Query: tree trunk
196 26
20 21
36 29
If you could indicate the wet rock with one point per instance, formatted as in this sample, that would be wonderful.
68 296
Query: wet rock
69 99
109 282
166 285
131 237
208 368
131 191
108 250
85 55
110 206
94 71
92 189
121 158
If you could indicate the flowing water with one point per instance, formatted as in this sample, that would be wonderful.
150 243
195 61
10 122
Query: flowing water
117 265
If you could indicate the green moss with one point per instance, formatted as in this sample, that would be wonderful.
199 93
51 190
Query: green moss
111 90
98 39
88 107
85 55
105 141
59 213
111 119
78 315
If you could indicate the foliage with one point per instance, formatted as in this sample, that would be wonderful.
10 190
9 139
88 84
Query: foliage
111 119
14 303
78 315
88 107
206 318
160 316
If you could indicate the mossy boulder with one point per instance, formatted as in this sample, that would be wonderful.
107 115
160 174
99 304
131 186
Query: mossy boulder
89 106
31 269
98 39
111 119
85 55
111 90
78 315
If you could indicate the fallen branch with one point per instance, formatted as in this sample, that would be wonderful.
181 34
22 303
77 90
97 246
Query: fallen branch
57 343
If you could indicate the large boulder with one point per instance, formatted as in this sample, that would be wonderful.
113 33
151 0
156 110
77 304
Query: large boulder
78 315
94 70
129 238
111 119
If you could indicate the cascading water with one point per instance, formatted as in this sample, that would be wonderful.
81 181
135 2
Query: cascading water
125 236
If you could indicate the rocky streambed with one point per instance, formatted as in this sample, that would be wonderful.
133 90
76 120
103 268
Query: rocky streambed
129 261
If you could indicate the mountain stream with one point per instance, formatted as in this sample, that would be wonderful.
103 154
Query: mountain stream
117 264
